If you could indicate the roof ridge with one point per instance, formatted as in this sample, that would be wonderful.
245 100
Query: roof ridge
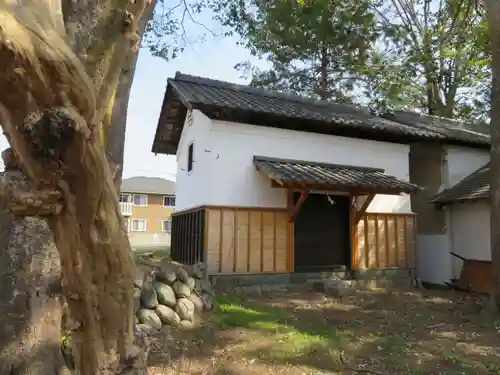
271 159
261 91
459 124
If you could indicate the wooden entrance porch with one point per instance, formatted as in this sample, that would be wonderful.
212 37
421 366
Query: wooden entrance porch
254 240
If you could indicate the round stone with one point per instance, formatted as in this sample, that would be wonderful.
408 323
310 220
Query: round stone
182 275
190 283
185 309
180 289
149 297
167 315
197 302
166 295
150 318
186 324
167 273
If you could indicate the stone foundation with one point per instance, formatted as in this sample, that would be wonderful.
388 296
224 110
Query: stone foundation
339 282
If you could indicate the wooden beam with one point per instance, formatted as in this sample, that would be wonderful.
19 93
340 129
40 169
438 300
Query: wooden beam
298 205
271 177
274 184
362 209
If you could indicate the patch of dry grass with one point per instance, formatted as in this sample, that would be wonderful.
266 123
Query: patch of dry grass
410 333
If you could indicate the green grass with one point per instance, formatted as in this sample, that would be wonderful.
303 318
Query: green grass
152 254
152 250
290 338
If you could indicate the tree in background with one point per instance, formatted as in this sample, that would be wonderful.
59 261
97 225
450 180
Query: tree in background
436 59
315 48
30 269
430 56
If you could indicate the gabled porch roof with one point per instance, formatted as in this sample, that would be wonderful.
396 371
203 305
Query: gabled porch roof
474 187
323 176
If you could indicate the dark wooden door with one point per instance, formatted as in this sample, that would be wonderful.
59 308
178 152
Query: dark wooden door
322 240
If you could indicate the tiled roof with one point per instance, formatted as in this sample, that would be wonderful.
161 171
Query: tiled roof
473 187
233 102
148 185
450 129
341 177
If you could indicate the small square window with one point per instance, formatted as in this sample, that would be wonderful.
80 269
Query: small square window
140 200
190 157
138 225
167 226
125 198
169 201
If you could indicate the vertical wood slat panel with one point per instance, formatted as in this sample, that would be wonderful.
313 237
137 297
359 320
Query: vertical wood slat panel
385 241
255 242
291 246
383 252
366 249
227 240
213 240
281 242
247 241
379 246
241 242
361 246
268 244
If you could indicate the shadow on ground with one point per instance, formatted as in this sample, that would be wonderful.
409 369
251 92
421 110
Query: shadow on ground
417 332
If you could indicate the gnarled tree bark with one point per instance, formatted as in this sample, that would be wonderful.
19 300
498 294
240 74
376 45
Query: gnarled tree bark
493 16
59 145
16 314
30 303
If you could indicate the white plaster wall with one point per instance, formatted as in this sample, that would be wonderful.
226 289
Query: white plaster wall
435 264
234 181
140 239
190 186
461 162
433 259
470 233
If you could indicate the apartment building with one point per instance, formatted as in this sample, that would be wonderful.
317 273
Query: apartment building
147 204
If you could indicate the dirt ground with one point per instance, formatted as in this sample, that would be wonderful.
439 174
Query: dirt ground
413 332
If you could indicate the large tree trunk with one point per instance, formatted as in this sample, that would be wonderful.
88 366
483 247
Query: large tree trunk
115 142
17 315
30 303
59 145
493 15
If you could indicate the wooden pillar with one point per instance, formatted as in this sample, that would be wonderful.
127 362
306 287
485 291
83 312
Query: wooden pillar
353 232
355 216
293 210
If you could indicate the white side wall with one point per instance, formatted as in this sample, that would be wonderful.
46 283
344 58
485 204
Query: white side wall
189 191
224 173
461 162
470 233
465 224
141 239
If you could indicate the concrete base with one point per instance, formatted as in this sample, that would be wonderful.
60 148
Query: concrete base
335 282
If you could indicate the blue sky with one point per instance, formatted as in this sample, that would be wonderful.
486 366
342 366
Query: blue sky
214 58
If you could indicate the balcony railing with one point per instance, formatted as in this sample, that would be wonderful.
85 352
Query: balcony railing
126 208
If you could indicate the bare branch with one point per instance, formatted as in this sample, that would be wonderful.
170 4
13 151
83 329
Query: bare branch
186 9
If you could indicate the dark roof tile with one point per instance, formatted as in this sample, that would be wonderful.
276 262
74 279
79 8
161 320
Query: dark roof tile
341 177
253 104
475 186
